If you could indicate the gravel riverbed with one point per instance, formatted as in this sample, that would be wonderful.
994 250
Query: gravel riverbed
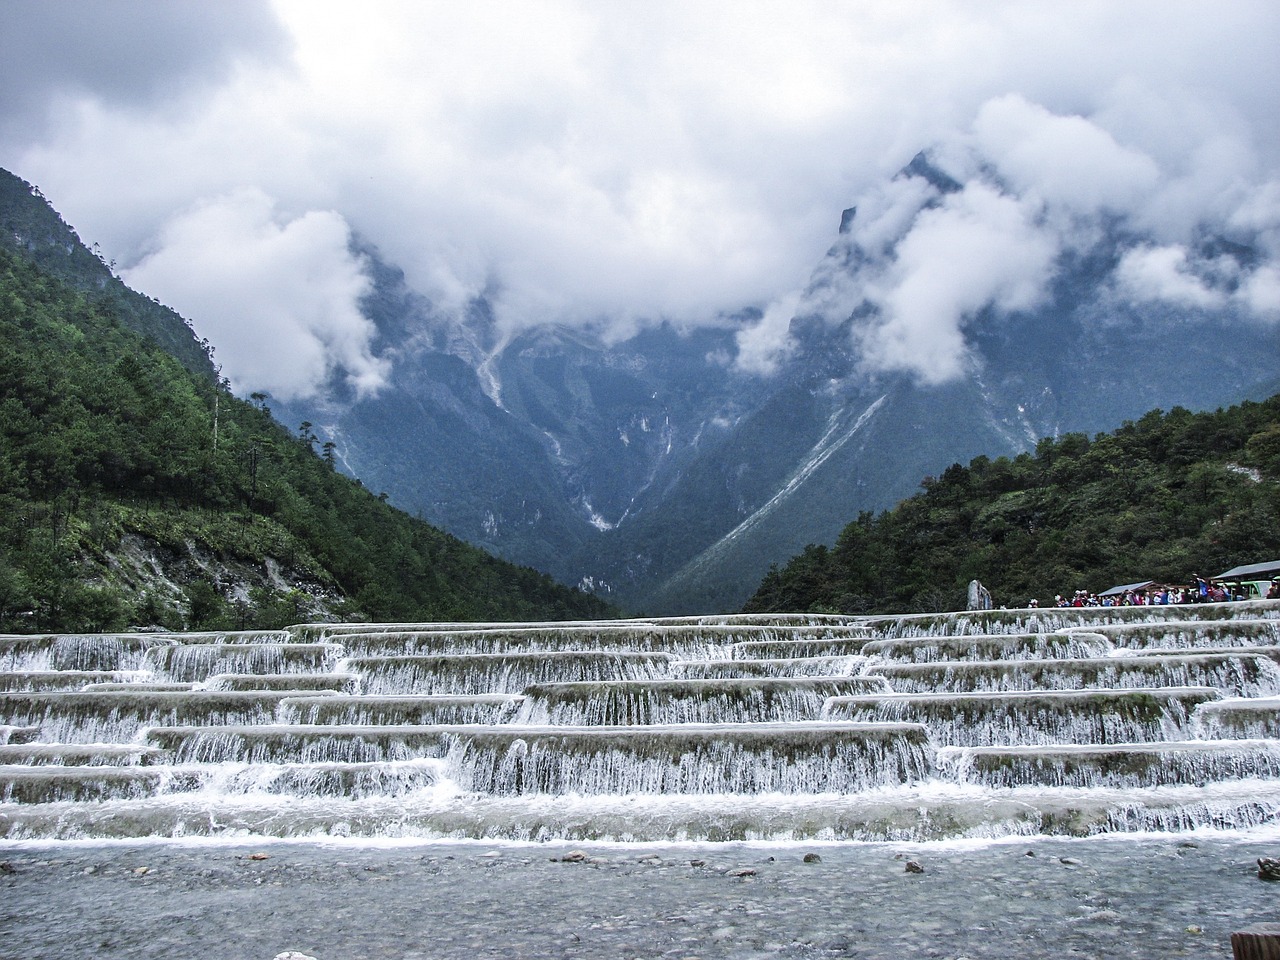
1150 897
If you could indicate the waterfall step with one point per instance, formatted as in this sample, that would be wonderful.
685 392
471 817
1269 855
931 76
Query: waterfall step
93 716
76 652
38 754
301 743
10 733
51 784
34 681
983 724
1191 634
477 673
790 649
1194 763
1243 719
386 710
683 640
631 702
745 758
789 667
296 682
1235 673
1040 717
197 662
918 813
1051 619
987 647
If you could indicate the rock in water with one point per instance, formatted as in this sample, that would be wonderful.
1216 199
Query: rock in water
914 866
1268 868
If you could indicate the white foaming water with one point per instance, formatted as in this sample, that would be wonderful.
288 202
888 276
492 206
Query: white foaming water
968 726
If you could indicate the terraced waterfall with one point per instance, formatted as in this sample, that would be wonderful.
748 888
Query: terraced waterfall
1069 722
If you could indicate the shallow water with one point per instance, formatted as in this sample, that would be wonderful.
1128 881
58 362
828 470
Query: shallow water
1148 897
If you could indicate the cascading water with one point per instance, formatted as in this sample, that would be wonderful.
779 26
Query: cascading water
805 758
627 703
197 662
470 673
1238 673
917 727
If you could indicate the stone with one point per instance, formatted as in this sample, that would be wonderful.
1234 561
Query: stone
914 866
743 872
573 856
1268 868
812 858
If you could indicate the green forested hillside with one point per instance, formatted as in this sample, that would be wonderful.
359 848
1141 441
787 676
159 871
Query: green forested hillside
1163 498
135 492
30 227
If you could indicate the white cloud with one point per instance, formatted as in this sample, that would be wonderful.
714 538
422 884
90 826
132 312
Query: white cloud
763 345
278 297
617 164
978 248
1260 293
1066 161
1163 273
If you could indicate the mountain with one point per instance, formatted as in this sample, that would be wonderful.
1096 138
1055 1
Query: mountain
30 227
1163 498
136 491
660 473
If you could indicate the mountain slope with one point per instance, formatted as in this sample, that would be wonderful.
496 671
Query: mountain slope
30 227
134 492
664 474
1163 498
658 471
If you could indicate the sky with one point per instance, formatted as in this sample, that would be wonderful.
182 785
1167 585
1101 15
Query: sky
615 165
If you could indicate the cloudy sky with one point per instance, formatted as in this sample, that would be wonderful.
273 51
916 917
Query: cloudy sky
612 164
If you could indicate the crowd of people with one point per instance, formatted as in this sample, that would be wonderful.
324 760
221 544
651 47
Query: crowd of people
1199 590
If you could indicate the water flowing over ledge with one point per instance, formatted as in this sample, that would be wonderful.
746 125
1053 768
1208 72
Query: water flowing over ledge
971 725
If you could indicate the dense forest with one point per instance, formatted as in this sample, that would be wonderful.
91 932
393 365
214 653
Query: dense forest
136 490
1163 498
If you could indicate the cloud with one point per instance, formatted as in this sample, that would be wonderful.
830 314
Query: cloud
1260 293
137 54
614 165
763 345
979 229
978 248
282 294
1162 273
1066 161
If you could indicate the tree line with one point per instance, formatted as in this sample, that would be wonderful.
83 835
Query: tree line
107 440
1161 498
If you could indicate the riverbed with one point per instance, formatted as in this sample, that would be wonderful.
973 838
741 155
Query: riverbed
1135 897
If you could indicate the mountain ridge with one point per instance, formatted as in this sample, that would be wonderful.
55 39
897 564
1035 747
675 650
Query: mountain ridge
135 492
659 472
661 526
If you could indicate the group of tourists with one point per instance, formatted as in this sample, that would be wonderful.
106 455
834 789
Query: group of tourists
1199 590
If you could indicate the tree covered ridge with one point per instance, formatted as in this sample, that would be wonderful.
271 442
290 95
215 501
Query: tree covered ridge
108 444
30 227
1162 498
